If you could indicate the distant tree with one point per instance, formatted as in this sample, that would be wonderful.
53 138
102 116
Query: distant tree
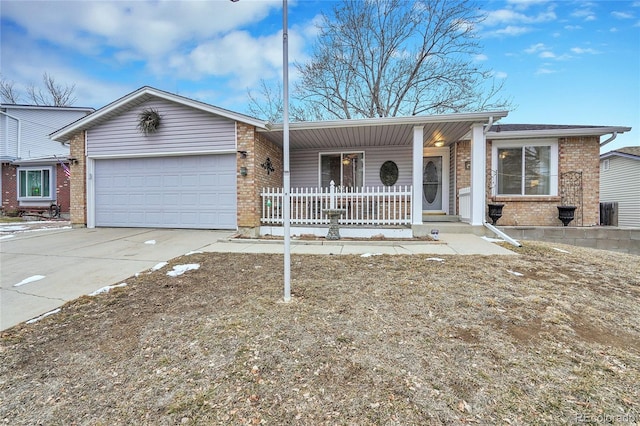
8 92
52 94
382 58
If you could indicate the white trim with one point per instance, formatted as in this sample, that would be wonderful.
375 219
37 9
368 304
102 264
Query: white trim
161 154
444 153
52 183
388 121
91 193
558 133
606 165
418 153
553 173
478 175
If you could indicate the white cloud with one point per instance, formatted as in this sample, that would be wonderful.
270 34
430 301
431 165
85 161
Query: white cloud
544 71
622 15
536 48
585 14
508 16
582 51
572 27
480 58
547 54
509 30
500 74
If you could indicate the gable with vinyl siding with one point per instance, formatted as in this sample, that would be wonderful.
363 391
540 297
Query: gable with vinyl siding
182 130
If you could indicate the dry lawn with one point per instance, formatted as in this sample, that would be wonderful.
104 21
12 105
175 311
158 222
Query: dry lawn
393 340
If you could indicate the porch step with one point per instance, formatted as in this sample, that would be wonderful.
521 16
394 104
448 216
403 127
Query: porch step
447 228
439 217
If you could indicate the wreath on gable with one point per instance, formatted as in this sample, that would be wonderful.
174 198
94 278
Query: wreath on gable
149 121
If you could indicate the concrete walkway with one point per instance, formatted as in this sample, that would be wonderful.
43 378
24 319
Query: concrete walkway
44 268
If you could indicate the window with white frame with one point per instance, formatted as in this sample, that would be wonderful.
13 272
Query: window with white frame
345 169
525 167
35 183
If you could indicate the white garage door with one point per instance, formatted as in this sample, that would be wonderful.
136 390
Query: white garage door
166 192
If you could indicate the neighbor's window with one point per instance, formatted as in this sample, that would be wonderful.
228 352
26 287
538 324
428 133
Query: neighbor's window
34 183
344 169
526 169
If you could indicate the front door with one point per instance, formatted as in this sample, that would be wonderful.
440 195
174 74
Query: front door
432 198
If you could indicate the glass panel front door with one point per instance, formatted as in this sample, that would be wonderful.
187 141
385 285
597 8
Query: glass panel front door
432 183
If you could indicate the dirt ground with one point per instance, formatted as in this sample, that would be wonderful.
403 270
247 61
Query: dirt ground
548 337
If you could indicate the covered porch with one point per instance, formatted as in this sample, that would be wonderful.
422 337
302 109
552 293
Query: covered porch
387 176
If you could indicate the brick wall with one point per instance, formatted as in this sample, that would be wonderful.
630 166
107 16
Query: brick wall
62 189
9 188
580 154
258 149
78 193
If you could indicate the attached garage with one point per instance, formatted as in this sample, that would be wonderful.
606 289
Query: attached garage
166 192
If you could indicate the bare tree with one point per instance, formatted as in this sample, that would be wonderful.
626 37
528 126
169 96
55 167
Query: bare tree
381 58
54 94
8 92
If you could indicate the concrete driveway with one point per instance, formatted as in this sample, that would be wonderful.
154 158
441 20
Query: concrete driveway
75 262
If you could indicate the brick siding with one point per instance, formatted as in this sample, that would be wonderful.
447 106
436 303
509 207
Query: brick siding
78 193
258 149
9 188
577 154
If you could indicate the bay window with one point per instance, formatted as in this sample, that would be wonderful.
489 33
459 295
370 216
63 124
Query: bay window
525 168
34 183
345 169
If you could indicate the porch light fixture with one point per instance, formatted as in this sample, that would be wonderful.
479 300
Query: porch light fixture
243 154
439 144
346 161
243 171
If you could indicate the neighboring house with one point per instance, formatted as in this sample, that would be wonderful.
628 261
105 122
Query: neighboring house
33 175
620 183
207 167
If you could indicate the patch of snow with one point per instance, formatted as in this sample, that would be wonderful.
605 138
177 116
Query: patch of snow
517 274
150 242
181 269
159 266
492 240
106 289
370 254
436 259
55 311
560 250
193 252
11 228
4 237
30 280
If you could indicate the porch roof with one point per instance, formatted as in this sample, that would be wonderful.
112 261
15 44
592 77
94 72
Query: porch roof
379 131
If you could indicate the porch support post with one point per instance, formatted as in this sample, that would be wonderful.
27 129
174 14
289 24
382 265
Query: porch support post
416 196
478 174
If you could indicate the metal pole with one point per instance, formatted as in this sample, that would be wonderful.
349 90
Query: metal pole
285 143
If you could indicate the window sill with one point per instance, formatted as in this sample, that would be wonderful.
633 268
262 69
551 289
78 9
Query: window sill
527 198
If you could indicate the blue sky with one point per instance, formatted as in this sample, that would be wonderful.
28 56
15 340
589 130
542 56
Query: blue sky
563 62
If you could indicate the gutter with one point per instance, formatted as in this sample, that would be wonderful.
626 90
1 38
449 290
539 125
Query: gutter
19 138
488 125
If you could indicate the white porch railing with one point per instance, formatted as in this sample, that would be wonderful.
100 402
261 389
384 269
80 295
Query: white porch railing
464 202
363 206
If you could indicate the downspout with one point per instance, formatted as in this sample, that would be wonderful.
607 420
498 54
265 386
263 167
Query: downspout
19 138
489 124
611 139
